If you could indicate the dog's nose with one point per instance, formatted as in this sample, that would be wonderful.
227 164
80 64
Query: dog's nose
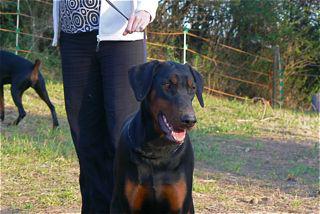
189 120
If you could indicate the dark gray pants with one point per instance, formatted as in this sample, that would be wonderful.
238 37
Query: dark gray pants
98 99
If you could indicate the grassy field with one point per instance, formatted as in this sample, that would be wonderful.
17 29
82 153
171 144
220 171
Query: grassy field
246 161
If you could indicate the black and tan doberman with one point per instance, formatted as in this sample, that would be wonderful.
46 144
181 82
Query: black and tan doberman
22 74
154 159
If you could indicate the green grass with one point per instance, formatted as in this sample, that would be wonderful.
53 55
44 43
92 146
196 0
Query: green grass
296 203
38 164
301 169
238 154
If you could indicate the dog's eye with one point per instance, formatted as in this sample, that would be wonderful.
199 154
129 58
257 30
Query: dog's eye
192 89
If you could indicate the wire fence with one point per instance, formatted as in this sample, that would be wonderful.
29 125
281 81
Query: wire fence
221 65
213 65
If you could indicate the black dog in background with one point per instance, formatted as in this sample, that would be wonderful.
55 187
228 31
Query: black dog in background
22 74
154 160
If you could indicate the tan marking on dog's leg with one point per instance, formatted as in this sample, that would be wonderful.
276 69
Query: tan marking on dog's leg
35 72
175 194
135 194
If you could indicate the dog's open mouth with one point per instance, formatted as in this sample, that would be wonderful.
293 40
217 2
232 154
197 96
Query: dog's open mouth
174 134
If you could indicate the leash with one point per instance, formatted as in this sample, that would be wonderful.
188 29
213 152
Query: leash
124 16
114 7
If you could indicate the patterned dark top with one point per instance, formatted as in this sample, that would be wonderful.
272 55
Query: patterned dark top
79 15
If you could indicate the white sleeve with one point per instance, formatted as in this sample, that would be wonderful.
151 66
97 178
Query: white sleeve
55 13
148 5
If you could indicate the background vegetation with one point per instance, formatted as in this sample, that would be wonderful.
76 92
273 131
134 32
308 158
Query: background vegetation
254 26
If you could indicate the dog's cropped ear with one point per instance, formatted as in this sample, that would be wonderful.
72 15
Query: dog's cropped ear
35 72
199 84
140 78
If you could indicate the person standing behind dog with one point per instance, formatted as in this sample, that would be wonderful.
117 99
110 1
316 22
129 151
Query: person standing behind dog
98 46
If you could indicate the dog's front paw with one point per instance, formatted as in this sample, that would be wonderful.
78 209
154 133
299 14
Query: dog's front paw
55 126
14 123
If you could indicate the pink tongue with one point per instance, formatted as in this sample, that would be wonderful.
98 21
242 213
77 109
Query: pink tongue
179 136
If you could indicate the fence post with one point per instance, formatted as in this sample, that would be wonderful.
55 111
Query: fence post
17 27
274 74
277 76
281 83
186 28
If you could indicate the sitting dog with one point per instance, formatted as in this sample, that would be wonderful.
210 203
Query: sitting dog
154 160
22 74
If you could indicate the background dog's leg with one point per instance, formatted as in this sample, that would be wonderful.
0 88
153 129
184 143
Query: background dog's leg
1 103
41 90
17 99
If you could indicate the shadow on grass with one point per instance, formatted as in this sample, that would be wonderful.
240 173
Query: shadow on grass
35 134
287 165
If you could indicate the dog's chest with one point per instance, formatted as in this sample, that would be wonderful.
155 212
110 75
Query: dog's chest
166 192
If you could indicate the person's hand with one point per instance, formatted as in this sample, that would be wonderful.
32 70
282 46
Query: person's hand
137 22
